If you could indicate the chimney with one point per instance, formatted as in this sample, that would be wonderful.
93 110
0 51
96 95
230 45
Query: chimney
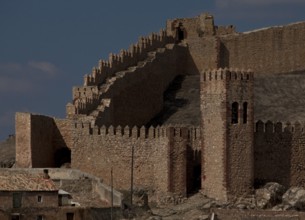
46 174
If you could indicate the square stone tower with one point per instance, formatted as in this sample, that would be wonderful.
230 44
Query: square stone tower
227 132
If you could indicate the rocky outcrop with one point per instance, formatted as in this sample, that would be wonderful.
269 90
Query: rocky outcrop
294 199
269 195
7 152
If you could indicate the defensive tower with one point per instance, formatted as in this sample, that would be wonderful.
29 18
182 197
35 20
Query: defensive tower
227 132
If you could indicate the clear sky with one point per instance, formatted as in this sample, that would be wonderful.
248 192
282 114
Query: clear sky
46 46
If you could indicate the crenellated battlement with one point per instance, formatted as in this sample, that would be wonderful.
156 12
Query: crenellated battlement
85 92
94 100
126 58
278 127
143 132
226 74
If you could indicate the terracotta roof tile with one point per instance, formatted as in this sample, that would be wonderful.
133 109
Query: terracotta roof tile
25 181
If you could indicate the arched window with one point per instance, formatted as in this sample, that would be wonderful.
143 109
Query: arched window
234 113
245 112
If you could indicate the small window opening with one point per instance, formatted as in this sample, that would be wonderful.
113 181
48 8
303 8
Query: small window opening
245 112
180 32
40 217
17 200
70 216
39 199
234 113
15 216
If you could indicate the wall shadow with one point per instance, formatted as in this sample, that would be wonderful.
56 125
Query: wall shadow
272 154
171 102
193 170
224 56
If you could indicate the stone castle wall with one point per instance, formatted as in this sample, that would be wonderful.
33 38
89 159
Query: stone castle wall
240 134
279 153
38 137
213 133
34 140
160 156
203 54
128 90
136 97
270 50
127 58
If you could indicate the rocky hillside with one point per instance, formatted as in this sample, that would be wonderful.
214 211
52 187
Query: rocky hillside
7 152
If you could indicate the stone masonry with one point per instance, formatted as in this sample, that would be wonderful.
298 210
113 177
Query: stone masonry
219 151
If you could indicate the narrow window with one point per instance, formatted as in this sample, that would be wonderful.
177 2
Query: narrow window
15 216
39 199
17 199
40 217
245 112
70 216
180 35
234 113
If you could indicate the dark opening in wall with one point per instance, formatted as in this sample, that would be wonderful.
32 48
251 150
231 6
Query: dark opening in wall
245 112
180 32
15 216
197 178
234 113
70 216
62 156
17 200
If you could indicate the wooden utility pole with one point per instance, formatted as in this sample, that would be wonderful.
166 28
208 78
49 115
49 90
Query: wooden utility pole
131 178
111 194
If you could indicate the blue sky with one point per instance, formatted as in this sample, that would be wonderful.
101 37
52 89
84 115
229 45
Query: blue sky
47 46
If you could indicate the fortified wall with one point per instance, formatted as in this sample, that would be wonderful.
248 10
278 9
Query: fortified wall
269 50
279 153
165 158
227 158
42 141
227 132
162 156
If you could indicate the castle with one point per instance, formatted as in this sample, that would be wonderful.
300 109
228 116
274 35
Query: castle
179 106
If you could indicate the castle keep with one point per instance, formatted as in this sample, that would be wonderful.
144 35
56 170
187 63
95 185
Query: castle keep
181 105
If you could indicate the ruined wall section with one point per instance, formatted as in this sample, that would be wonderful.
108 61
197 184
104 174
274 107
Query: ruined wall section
38 137
202 25
34 140
202 38
23 140
279 153
270 50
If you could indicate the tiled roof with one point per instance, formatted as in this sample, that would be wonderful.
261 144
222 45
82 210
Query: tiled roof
25 181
